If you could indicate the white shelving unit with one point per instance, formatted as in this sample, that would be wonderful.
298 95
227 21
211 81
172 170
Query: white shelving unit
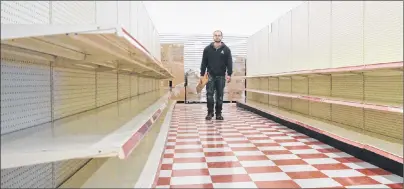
109 131
80 80
335 68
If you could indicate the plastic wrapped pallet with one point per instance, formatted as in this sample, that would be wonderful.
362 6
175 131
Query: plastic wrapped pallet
193 80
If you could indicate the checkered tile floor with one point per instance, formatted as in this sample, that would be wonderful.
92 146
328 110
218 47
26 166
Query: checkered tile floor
249 151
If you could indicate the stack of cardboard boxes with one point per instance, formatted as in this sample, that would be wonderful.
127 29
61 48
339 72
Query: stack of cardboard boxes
234 90
172 57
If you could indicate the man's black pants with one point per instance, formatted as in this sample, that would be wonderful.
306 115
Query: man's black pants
215 84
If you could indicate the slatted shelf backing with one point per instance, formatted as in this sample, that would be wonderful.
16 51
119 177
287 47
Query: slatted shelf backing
264 87
285 103
64 169
76 12
285 42
256 86
319 34
73 91
300 85
153 84
349 87
301 106
142 84
273 84
25 94
252 82
273 100
106 88
250 95
274 52
347 33
300 37
320 110
149 85
320 85
346 115
124 86
124 106
250 85
329 34
25 12
387 124
134 86
156 84
387 89
383 40
285 84
36 176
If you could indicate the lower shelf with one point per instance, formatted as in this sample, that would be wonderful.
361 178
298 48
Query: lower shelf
385 154
115 173
113 130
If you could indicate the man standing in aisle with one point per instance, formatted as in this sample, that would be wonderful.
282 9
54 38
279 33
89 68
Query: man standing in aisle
216 59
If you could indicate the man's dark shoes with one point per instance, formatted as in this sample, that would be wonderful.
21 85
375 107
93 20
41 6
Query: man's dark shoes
219 117
209 116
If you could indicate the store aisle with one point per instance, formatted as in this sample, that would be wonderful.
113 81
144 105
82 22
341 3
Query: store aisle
249 151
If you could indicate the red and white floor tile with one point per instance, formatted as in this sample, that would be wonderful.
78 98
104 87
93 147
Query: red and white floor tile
249 151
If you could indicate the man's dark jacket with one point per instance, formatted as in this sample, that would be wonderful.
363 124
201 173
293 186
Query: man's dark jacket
217 60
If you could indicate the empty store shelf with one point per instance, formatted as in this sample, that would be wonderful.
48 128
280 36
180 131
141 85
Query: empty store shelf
113 130
395 108
104 48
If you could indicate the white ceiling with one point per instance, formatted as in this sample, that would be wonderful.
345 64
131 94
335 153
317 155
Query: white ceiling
203 17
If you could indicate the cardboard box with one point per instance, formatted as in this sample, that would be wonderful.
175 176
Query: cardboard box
172 53
234 90
172 57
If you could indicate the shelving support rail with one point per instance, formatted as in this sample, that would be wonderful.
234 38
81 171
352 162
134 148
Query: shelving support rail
97 132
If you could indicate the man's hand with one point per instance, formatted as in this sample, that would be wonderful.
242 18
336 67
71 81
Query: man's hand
228 78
